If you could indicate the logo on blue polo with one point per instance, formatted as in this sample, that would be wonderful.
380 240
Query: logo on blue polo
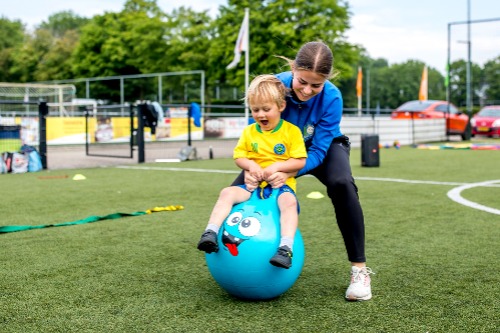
279 149
308 132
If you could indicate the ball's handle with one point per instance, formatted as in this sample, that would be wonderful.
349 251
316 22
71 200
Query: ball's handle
274 194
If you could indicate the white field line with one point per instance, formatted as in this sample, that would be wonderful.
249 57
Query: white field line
454 194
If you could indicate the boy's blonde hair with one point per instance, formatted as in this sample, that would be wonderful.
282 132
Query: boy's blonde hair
268 88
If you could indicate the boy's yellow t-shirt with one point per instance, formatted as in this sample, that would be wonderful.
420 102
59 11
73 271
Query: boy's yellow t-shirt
268 147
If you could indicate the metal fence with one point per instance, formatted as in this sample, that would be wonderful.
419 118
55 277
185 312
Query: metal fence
124 132
30 129
100 141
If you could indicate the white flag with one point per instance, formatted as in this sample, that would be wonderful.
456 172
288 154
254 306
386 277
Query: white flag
241 42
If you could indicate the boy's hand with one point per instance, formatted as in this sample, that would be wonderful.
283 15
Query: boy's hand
250 181
256 172
277 179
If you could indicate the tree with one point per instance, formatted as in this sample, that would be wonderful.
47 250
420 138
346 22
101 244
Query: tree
59 23
28 56
46 53
279 27
11 39
124 43
187 39
491 73
391 86
348 85
458 82
56 63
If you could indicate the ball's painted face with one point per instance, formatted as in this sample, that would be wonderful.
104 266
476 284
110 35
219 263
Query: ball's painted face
266 113
241 225
307 84
250 225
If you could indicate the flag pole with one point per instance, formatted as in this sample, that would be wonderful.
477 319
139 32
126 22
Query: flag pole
359 106
359 88
247 62
243 44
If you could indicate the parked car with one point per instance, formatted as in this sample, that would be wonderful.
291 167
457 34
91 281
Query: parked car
457 121
487 121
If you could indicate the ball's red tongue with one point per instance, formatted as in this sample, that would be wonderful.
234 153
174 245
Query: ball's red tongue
233 249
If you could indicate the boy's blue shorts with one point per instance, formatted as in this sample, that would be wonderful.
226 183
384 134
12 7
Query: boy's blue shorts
265 192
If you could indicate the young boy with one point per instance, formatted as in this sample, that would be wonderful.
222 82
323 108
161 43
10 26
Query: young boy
267 150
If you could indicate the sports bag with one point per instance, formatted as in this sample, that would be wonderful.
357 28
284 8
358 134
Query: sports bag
34 160
19 163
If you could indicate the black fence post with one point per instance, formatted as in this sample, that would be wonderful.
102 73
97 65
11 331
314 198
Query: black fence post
413 128
189 115
87 139
43 112
132 130
140 132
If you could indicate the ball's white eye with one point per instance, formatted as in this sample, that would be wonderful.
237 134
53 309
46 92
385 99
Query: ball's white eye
249 226
234 219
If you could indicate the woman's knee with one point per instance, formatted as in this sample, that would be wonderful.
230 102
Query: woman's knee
340 185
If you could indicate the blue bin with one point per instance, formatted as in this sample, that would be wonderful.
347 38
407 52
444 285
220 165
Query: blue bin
10 138
10 132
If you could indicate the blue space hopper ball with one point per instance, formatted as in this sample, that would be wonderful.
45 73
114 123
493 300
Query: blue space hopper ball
247 240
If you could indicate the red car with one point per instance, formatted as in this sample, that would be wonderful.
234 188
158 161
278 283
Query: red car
457 121
487 121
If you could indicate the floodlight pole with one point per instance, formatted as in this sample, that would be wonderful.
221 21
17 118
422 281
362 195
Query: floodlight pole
448 91
448 83
469 74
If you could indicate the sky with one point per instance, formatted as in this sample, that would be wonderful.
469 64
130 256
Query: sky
395 30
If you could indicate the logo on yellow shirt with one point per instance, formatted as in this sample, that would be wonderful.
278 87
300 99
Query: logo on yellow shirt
279 149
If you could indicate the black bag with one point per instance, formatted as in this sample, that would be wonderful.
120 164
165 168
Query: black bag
6 162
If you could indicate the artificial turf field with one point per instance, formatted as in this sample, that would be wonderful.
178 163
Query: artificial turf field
435 259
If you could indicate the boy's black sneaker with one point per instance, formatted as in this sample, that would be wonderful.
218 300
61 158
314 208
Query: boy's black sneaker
282 258
208 242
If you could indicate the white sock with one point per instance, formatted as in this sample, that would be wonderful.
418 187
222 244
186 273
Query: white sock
213 227
286 240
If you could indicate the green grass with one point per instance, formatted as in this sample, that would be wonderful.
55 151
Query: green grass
10 145
435 260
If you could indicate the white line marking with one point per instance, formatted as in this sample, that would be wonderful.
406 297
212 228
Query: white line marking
453 194
408 181
176 169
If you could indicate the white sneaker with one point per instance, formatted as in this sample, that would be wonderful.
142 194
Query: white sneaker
359 289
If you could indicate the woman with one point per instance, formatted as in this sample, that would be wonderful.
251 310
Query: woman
315 106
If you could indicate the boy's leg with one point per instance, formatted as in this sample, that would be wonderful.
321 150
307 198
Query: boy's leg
228 197
289 221
289 216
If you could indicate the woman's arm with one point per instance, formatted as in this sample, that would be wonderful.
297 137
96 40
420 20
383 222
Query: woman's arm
279 178
326 130
290 165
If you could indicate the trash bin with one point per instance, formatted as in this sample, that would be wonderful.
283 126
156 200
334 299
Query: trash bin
10 138
370 153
